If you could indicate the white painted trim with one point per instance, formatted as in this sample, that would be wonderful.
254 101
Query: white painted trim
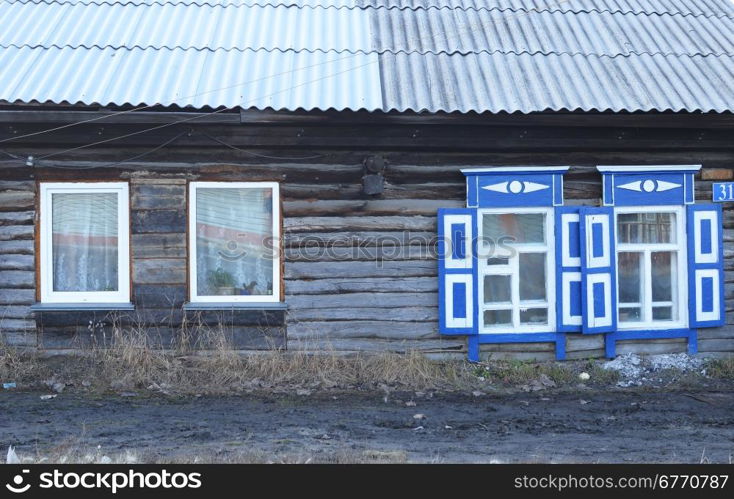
566 259
699 257
461 322
516 169
566 280
715 314
48 295
606 279
680 271
599 261
194 297
449 261
647 168
513 270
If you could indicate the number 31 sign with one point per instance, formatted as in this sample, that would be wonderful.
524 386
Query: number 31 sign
723 191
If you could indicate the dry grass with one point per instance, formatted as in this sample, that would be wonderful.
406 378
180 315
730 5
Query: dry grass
721 368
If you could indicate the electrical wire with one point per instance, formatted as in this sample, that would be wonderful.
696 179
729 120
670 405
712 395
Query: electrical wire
469 28
293 158
108 165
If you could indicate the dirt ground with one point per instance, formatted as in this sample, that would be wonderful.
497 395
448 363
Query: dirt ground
620 426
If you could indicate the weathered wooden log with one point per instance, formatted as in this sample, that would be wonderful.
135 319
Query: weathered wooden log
308 252
356 285
652 347
318 270
374 313
147 221
158 245
16 311
20 339
22 247
17 279
16 232
717 345
389 207
361 300
367 239
401 330
16 217
17 296
159 271
386 223
16 262
375 345
15 200
148 196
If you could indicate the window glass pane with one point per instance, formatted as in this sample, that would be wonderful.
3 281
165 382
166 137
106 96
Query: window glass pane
662 313
662 275
520 227
629 271
532 276
646 227
234 241
497 317
84 241
498 261
496 288
630 314
534 316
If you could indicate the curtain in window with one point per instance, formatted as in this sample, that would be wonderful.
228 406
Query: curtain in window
234 241
85 242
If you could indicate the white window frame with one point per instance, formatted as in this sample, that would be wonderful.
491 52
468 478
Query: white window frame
680 273
48 295
194 296
512 269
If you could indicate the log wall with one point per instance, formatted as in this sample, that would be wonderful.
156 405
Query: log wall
360 271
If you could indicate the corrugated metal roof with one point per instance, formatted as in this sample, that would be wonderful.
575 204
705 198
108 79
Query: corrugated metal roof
348 30
406 55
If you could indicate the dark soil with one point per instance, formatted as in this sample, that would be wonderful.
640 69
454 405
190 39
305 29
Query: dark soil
578 427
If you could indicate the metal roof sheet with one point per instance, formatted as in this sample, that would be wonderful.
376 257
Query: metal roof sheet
348 30
405 55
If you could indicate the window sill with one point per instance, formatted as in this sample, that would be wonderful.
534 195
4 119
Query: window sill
70 307
235 306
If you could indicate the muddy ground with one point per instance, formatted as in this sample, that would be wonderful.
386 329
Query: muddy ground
578 427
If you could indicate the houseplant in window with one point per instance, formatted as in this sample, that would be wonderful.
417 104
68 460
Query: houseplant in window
221 282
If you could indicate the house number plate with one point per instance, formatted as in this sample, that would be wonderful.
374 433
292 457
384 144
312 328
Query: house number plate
723 191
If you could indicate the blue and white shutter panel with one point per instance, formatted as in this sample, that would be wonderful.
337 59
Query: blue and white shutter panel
598 270
705 266
569 313
457 276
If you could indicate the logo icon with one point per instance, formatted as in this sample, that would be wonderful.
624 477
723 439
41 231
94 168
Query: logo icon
17 487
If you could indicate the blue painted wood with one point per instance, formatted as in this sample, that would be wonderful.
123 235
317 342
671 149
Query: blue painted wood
473 347
610 346
457 250
648 185
608 189
517 337
572 247
690 195
592 246
710 264
560 346
514 187
722 192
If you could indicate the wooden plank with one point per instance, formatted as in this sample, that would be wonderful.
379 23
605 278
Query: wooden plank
26 339
585 354
375 345
319 270
311 252
374 313
356 285
715 333
723 345
157 245
390 223
147 196
16 262
579 342
365 239
17 296
362 300
16 232
159 271
21 247
17 279
16 311
16 324
652 347
489 355
164 296
390 207
17 185
16 217
14 200
363 329
147 221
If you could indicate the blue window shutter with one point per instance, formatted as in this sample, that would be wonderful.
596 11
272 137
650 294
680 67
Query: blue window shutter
598 270
568 269
705 266
457 271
